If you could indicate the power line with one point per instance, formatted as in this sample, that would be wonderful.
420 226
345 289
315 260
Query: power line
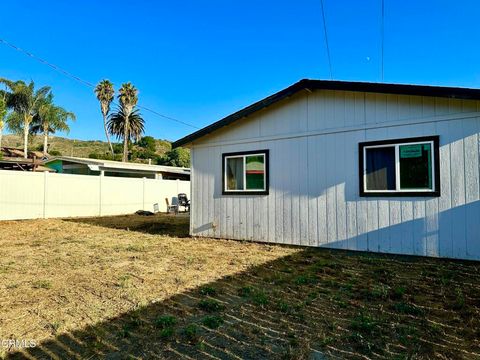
382 39
84 82
326 41
54 67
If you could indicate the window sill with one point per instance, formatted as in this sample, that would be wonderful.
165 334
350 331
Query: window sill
400 194
262 192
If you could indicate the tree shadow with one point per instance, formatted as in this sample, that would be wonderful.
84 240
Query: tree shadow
315 303
157 224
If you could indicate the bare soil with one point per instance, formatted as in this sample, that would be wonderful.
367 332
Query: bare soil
90 288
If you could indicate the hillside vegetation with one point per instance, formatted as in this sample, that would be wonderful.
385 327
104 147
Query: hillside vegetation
160 151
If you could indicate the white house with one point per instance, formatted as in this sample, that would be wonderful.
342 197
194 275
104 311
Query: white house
361 166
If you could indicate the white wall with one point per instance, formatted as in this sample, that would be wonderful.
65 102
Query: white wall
314 198
27 195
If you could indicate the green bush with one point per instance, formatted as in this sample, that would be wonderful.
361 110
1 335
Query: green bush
212 322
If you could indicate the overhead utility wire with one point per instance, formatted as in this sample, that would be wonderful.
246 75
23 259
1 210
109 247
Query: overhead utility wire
84 82
326 41
382 38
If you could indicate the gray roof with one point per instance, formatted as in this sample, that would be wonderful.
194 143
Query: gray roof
308 84
98 164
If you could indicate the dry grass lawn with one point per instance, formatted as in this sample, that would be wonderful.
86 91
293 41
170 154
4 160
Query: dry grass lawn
89 288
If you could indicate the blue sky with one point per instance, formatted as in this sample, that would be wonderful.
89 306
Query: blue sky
201 60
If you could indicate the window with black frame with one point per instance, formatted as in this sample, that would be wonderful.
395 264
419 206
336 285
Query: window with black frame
402 167
245 172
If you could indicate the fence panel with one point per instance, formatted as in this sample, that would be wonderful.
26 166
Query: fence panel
72 195
121 195
21 195
26 195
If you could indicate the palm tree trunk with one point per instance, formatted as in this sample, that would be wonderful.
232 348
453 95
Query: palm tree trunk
125 140
108 136
45 143
1 134
25 140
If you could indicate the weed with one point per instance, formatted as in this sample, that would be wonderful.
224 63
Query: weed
167 333
165 321
212 322
136 248
407 334
283 306
398 292
379 292
54 326
305 279
363 323
259 298
362 343
208 290
382 274
123 281
191 332
408 309
210 305
42 284
245 291
459 302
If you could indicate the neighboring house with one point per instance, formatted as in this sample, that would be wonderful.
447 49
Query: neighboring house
361 166
13 159
83 166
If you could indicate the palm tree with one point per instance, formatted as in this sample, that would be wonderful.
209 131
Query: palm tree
126 127
49 119
24 100
105 93
3 114
128 97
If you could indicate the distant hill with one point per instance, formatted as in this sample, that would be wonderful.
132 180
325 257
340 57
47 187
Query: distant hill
71 147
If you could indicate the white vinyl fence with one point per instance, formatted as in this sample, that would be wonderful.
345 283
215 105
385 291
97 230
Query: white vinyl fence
28 195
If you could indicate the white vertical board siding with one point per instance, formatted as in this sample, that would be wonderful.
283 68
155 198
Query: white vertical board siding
314 197
28 195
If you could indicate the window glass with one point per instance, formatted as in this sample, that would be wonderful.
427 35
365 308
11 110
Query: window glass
255 172
416 166
235 173
380 168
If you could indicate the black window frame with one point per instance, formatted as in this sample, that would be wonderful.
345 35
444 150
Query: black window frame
266 154
401 193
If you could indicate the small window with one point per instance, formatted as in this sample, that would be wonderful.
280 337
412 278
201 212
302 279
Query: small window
404 167
245 173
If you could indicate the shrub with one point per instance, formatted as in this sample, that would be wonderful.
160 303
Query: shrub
165 321
191 332
212 322
210 305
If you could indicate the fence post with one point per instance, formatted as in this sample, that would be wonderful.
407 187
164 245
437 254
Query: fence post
100 193
45 185
143 194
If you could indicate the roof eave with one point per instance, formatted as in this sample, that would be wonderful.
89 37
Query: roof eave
310 85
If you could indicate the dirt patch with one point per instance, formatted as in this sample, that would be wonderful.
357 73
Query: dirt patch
92 292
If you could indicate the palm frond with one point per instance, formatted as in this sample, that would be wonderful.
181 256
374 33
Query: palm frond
134 122
105 93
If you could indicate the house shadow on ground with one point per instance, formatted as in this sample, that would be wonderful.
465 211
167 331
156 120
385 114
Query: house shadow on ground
175 225
316 303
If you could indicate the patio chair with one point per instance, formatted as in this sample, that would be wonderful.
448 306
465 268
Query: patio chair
171 208
183 201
